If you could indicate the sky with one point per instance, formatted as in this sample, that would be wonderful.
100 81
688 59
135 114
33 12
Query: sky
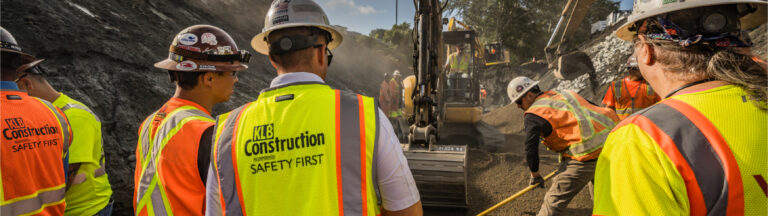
365 15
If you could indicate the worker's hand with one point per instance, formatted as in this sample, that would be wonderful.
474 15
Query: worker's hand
537 179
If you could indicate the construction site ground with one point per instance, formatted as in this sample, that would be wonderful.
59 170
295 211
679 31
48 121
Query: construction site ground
498 171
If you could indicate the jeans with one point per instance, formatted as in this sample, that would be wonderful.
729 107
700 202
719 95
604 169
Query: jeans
107 210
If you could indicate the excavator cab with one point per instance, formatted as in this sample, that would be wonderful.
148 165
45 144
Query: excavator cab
461 75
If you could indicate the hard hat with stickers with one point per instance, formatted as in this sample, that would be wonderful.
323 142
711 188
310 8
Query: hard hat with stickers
203 48
712 18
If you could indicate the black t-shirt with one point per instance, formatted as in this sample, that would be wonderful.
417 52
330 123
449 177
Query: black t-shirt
204 153
535 128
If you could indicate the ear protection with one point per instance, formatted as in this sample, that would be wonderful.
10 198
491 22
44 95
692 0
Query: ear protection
291 43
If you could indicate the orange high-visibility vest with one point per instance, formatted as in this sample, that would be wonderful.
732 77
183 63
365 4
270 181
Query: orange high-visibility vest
36 136
578 127
625 104
167 180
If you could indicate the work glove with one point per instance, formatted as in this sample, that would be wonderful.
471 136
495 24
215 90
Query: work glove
537 179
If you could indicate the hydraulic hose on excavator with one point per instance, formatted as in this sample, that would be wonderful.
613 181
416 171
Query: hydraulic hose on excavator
516 195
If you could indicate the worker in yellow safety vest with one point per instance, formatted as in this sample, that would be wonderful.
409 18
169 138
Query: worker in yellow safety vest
173 150
36 138
567 124
88 189
630 94
702 149
303 148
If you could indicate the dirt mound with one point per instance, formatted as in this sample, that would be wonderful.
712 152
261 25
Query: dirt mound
507 119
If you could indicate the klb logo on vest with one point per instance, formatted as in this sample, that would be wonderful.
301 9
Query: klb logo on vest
16 129
265 143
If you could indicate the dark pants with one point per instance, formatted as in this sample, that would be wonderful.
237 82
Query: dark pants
107 210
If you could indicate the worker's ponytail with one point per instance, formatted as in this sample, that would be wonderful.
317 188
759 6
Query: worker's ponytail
743 71
699 62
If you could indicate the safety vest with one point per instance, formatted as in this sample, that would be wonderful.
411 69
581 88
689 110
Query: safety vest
302 149
578 127
36 137
687 155
460 63
167 180
626 104
90 190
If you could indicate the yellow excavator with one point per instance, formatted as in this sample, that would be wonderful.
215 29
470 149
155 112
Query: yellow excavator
443 109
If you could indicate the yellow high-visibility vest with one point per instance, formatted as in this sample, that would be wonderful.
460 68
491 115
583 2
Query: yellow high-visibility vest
302 149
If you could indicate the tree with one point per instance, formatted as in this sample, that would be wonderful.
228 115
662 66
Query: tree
523 26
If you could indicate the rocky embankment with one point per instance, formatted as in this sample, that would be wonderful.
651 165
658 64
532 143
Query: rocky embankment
102 52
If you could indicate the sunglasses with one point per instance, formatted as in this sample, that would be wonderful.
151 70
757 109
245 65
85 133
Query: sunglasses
327 51
519 101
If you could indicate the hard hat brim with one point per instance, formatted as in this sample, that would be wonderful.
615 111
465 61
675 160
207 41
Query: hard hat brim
747 22
26 57
260 44
169 64
535 83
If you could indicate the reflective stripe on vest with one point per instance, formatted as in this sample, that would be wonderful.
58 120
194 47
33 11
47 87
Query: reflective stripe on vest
328 171
699 152
81 177
625 110
63 123
24 191
150 193
568 101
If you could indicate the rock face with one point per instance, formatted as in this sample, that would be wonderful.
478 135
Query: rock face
102 52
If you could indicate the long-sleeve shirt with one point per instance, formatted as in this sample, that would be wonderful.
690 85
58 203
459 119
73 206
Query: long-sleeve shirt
535 128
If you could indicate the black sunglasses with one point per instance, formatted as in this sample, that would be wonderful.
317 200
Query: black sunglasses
327 51
519 101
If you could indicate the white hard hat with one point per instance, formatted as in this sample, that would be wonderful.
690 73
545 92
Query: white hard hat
650 8
519 86
294 13
396 73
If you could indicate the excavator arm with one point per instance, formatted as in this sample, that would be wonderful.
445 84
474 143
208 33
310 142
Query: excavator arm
568 64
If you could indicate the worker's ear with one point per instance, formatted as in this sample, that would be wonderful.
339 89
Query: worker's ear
25 84
644 51
320 54
207 79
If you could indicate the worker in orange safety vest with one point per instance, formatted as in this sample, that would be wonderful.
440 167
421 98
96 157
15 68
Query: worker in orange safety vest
36 137
630 94
173 150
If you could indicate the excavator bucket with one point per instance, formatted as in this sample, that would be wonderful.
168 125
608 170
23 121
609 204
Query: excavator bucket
440 174
573 65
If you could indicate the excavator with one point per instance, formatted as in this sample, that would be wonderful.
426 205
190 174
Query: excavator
563 61
443 109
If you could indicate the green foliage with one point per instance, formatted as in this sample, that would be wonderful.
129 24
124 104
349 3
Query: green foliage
400 37
523 26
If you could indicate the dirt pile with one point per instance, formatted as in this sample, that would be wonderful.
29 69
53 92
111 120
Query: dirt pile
102 52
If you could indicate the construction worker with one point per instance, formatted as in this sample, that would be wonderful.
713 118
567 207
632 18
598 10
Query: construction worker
630 94
396 93
457 66
385 97
702 149
88 191
36 136
303 148
173 151
569 125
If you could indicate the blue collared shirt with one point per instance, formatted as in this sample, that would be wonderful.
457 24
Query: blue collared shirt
8 85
